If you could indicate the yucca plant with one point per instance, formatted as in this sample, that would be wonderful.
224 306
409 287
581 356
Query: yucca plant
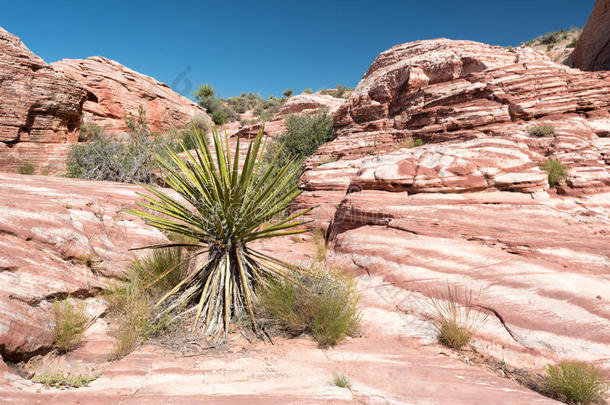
224 209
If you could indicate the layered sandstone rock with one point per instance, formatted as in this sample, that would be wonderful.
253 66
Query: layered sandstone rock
59 238
593 49
39 108
114 91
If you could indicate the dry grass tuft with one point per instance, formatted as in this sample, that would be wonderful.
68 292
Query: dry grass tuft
70 324
64 379
541 130
342 380
320 243
455 319
409 142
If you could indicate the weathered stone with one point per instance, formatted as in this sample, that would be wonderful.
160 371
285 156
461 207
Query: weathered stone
592 51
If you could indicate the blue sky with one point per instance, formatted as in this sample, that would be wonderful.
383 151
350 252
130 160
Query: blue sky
268 46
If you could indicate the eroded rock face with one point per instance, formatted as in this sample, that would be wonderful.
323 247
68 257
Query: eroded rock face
59 237
114 91
39 107
592 51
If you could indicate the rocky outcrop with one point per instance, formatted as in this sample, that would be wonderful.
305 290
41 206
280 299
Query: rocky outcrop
471 206
39 108
114 91
593 48
42 106
68 243
299 104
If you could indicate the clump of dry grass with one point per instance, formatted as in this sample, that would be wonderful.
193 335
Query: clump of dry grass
541 130
342 380
70 323
64 379
321 301
408 142
320 244
577 382
132 302
455 318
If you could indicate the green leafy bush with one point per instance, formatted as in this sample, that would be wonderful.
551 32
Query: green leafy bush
304 135
219 110
321 301
541 130
556 171
268 108
224 209
577 382
88 132
70 322
27 168
307 91
287 93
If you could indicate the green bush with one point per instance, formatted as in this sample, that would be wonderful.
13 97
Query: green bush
307 91
287 93
27 168
305 134
88 132
341 380
268 108
340 92
219 110
556 171
577 382
320 301
70 322
541 130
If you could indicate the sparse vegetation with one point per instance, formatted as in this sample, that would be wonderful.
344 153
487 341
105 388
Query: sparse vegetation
320 243
150 277
287 93
409 142
307 91
340 92
557 171
455 318
342 380
27 168
556 40
227 210
88 132
70 322
65 379
541 130
577 382
219 110
320 301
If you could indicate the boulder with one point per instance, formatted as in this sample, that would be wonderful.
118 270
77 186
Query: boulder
592 51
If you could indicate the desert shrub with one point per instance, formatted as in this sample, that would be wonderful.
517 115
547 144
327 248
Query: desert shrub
320 301
342 380
27 168
320 244
268 108
219 110
70 322
64 379
200 122
556 171
225 209
573 43
550 38
577 382
304 134
454 318
409 142
89 131
340 92
287 93
220 117
150 276
541 130
307 91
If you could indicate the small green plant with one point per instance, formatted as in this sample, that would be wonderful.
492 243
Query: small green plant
287 93
557 172
321 301
64 379
308 91
70 323
455 318
541 130
342 380
27 168
577 382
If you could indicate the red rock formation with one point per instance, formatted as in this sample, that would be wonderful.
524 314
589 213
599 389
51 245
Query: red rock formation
114 91
59 237
592 51
39 108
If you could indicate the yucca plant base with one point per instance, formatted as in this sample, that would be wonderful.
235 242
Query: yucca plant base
224 209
